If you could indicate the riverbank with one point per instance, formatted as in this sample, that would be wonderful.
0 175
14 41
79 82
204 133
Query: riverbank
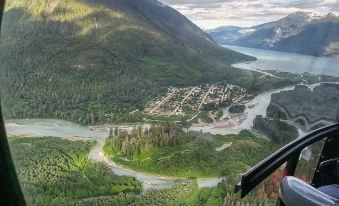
268 60
257 106
66 130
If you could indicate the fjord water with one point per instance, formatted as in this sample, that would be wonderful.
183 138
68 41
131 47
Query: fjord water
287 62
267 60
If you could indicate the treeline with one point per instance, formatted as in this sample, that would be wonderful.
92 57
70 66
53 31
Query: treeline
223 194
179 194
189 194
141 140
238 108
319 103
193 154
274 111
73 61
57 172
280 132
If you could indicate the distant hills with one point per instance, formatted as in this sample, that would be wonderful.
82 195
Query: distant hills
300 32
96 61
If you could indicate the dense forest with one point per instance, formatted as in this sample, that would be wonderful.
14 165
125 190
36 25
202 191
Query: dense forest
190 194
280 132
320 103
237 108
140 140
95 62
53 171
167 150
100 61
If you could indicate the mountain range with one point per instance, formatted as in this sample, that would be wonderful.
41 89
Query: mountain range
300 32
94 61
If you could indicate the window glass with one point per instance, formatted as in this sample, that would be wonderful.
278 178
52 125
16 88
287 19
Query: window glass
308 161
141 102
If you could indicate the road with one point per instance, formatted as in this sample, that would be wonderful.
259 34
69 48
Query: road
202 102
205 96
163 101
183 101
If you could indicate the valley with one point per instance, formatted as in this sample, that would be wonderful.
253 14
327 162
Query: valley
128 102
125 190
208 163
39 128
204 108
213 133
110 62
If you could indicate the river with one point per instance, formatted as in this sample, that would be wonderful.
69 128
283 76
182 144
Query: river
267 60
65 129
257 106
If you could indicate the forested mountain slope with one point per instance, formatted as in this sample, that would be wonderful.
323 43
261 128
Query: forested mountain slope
95 61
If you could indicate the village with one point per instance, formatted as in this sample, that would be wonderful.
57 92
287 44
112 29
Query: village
191 101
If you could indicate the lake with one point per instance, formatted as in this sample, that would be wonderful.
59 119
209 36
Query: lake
287 62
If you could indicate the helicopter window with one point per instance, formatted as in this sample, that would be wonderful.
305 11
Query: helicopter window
163 102
269 188
308 161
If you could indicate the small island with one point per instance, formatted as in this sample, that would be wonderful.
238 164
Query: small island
238 108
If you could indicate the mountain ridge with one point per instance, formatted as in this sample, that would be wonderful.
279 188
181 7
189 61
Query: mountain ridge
282 34
95 61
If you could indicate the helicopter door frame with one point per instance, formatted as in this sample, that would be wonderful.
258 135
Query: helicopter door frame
10 189
290 154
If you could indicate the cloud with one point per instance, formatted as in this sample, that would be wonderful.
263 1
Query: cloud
213 13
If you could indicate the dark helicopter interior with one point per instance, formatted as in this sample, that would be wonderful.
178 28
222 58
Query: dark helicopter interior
323 189
329 172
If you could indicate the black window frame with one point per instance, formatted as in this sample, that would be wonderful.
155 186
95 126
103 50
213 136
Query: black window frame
10 190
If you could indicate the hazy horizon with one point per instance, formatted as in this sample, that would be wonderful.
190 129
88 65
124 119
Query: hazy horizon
209 14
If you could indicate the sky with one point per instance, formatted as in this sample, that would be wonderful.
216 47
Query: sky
210 14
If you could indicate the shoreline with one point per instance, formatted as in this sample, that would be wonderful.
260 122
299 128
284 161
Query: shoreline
74 131
69 130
